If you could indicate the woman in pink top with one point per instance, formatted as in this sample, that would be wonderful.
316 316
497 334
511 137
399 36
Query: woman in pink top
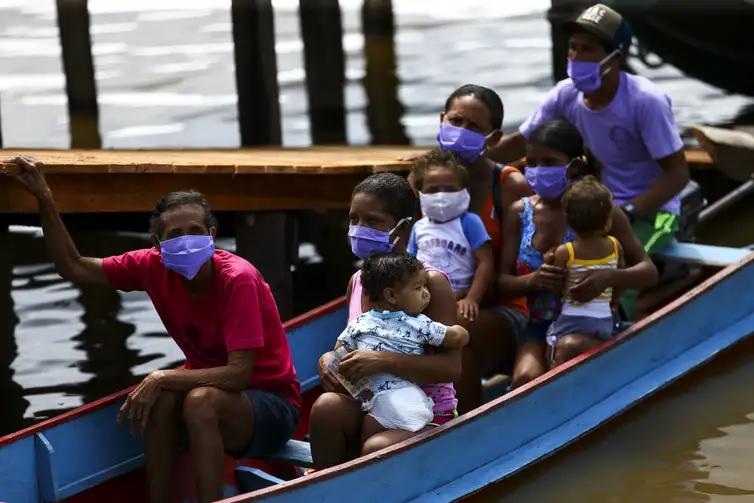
383 208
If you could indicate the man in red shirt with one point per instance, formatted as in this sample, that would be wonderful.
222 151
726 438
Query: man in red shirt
237 392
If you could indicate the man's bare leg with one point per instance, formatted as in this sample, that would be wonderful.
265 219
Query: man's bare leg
217 421
160 445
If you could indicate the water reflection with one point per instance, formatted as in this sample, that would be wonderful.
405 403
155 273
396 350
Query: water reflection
103 340
692 443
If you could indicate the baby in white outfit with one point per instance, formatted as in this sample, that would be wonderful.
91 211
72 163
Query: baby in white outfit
396 285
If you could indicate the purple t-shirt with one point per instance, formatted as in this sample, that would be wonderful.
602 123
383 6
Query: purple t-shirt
628 136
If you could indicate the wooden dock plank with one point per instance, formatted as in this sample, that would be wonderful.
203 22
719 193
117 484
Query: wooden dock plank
226 179
311 160
315 160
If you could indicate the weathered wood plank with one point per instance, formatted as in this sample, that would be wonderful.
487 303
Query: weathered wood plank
257 161
326 160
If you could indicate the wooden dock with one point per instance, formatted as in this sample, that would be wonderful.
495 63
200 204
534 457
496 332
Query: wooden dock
258 179
264 187
255 179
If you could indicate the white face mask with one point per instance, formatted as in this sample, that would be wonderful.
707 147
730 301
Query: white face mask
444 206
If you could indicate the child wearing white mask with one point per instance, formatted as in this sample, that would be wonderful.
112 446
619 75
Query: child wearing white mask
449 237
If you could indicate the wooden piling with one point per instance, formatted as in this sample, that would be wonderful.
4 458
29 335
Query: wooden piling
559 12
324 61
78 65
264 239
384 109
256 72
268 240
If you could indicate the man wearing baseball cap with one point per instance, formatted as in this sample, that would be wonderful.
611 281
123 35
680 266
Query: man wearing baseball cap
626 122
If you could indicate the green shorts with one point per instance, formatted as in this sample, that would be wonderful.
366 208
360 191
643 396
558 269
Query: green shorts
656 232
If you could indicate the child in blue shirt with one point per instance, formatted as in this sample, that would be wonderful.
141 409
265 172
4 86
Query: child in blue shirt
449 237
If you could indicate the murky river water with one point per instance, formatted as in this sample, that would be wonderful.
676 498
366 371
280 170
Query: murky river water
61 346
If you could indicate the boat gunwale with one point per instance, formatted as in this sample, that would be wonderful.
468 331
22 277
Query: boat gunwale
289 325
320 476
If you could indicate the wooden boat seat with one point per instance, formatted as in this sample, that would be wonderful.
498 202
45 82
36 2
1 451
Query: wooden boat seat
59 480
703 255
295 453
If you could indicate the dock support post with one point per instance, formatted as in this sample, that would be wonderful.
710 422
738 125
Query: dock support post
78 65
325 65
384 109
269 241
559 13
256 72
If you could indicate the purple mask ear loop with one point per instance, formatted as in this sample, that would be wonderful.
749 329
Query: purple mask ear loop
486 138
606 59
400 222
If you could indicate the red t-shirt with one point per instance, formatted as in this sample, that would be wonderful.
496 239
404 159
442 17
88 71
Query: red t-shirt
238 312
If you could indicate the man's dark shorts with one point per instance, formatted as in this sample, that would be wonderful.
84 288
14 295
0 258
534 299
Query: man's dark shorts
275 421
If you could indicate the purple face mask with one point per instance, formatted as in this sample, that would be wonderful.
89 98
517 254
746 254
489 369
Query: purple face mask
366 242
185 255
467 144
587 75
547 181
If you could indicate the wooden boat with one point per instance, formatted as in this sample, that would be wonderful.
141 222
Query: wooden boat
731 150
83 456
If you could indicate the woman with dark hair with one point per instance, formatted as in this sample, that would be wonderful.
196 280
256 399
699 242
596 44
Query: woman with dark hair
534 226
383 209
470 123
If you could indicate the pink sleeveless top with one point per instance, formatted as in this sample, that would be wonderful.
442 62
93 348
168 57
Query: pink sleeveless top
443 395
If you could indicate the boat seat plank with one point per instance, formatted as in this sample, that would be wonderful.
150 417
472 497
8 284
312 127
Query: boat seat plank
252 479
52 481
704 255
295 453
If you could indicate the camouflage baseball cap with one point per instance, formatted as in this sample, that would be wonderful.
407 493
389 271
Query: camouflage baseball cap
607 25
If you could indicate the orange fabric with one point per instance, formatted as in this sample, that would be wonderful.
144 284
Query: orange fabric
494 228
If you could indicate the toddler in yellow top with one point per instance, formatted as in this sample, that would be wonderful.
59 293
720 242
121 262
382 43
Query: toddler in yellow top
587 205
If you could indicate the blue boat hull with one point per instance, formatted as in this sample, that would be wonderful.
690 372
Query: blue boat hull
69 457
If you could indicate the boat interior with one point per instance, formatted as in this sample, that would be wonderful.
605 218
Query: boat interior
118 453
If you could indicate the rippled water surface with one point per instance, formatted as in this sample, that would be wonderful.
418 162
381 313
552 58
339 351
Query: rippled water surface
165 79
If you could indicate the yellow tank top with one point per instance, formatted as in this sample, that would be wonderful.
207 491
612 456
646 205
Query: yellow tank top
578 269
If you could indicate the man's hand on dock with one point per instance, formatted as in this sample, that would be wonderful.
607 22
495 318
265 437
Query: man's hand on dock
31 177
